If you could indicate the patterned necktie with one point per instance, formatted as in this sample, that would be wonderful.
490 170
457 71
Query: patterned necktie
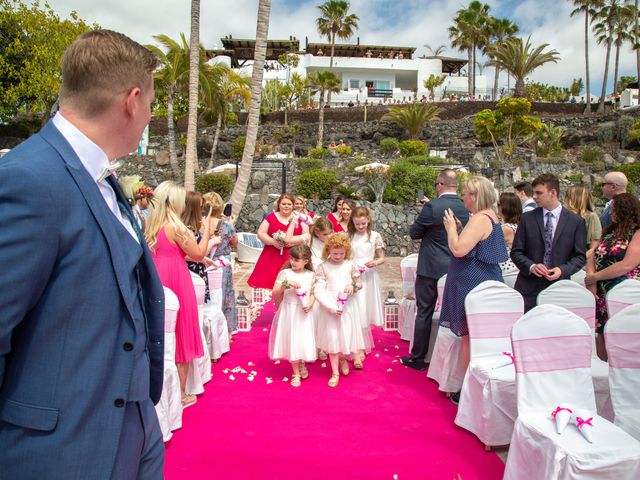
548 240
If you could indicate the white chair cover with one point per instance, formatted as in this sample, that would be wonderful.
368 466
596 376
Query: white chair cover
578 277
450 356
622 335
622 295
169 408
552 349
510 277
407 319
199 368
577 299
407 310
408 266
488 398
215 326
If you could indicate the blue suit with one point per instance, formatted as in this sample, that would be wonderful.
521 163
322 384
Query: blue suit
82 316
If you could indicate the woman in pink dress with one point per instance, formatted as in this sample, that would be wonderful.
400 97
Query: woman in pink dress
170 242
272 232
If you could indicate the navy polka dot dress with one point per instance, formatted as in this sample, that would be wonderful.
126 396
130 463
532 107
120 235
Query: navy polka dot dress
465 273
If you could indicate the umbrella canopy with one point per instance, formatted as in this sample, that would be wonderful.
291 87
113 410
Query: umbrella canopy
224 168
372 166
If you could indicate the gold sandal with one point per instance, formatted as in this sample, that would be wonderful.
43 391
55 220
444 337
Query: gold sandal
304 373
333 381
295 380
344 367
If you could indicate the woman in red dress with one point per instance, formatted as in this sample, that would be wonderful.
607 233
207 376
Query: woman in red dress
348 206
334 215
272 233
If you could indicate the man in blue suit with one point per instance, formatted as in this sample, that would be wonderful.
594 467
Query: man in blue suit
549 244
433 260
82 322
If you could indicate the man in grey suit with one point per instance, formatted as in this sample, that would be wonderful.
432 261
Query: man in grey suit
82 322
433 260
549 244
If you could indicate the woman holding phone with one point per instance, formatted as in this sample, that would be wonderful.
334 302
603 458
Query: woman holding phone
228 239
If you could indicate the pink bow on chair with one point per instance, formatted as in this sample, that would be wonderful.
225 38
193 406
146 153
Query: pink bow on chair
581 422
560 409
301 295
510 355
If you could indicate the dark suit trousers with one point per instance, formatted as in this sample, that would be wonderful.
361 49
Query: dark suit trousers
426 297
141 450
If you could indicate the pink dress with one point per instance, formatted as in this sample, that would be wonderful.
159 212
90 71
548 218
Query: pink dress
271 260
174 274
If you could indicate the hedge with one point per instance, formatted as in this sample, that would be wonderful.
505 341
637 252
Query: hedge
316 184
215 182
413 148
405 179
304 164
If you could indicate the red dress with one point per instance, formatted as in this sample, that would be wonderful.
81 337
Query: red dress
335 222
271 261
174 274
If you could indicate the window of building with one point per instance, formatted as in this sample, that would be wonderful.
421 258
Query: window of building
354 84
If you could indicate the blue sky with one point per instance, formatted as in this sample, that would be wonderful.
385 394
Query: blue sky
401 22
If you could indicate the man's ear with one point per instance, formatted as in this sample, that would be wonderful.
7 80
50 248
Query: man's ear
131 103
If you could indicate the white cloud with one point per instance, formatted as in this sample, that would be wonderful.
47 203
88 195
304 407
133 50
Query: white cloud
403 23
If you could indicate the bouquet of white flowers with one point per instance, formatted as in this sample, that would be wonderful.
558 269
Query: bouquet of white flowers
279 236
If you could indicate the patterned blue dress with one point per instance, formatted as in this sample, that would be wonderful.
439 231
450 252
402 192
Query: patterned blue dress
226 232
465 273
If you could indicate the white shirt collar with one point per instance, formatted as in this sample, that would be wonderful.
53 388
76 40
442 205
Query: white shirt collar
556 211
92 157
448 193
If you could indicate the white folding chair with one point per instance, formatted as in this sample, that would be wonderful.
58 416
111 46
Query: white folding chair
570 295
169 408
552 349
488 397
450 356
216 330
622 335
407 309
199 368
622 295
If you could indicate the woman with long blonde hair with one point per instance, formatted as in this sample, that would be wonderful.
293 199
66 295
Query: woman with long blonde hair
578 200
170 241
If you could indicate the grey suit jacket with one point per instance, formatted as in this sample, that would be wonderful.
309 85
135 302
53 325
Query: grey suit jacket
434 254
66 321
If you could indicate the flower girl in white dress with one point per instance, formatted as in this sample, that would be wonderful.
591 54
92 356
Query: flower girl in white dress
292 334
339 332
368 253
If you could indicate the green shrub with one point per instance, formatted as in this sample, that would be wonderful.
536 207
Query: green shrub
591 154
439 161
405 179
575 177
215 182
389 146
316 184
633 175
353 164
343 150
346 190
304 164
318 152
237 147
415 160
413 148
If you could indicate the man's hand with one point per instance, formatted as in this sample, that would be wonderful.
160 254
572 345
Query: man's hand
553 274
539 270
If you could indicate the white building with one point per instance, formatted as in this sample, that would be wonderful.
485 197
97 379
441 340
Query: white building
371 73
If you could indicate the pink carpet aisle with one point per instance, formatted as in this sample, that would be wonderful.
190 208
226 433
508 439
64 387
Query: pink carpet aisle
382 421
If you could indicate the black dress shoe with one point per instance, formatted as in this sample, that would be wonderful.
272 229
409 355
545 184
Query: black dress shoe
415 364
455 398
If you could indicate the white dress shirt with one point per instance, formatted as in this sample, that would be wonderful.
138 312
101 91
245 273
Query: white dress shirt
94 160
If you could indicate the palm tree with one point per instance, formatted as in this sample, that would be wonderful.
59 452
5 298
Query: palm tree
604 29
174 71
336 22
224 89
322 82
636 39
191 154
436 52
623 32
244 175
471 24
586 7
433 82
500 29
413 118
520 59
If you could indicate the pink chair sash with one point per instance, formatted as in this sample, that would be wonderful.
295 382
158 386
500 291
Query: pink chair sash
492 325
215 279
549 354
408 273
588 314
623 349
614 306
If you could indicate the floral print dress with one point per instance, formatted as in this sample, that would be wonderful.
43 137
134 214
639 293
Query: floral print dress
610 250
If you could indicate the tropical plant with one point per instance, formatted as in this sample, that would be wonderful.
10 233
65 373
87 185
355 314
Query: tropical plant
541 92
325 81
433 82
469 32
413 148
237 147
262 30
506 127
437 51
548 138
291 92
32 40
195 61
586 7
623 31
520 59
389 146
335 21
576 87
413 118
500 29
624 81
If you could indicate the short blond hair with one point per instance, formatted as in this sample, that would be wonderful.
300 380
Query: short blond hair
214 200
100 65
483 190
